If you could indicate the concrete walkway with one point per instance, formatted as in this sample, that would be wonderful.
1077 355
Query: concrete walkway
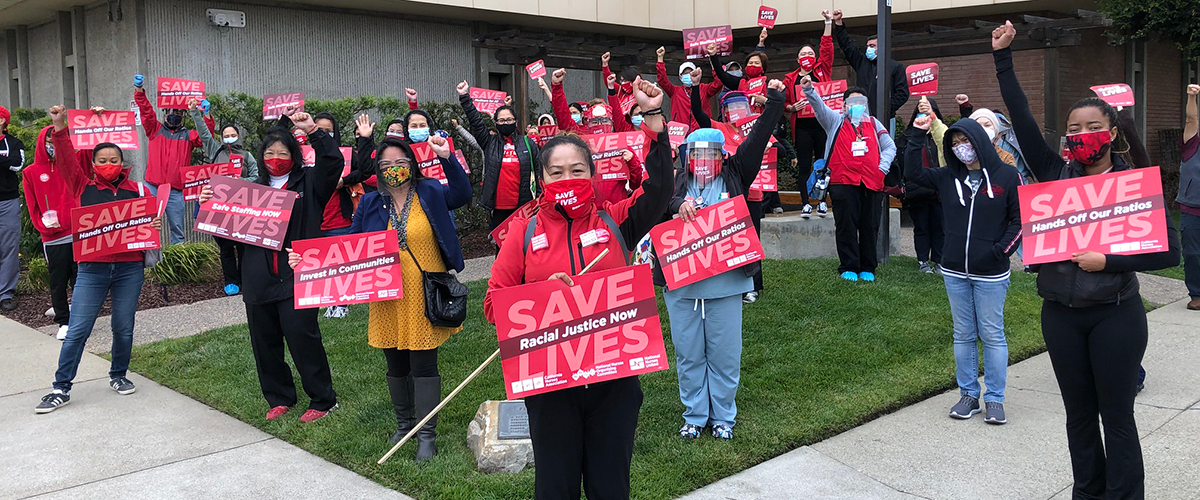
153 444
919 452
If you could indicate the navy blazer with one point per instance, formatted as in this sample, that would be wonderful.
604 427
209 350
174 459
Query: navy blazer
436 200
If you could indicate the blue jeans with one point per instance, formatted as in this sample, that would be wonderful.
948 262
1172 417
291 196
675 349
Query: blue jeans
978 311
174 213
122 281
1189 226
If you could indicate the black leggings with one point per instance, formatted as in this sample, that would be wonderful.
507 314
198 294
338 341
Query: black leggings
402 362
1095 352
810 144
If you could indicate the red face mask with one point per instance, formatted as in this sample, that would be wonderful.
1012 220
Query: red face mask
704 170
573 195
301 136
278 166
1089 147
108 172
754 71
807 63
627 88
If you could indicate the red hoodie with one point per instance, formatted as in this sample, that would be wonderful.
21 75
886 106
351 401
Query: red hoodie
46 189
170 150
823 72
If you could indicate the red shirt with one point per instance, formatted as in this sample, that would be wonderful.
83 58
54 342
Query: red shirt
332 217
508 188
847 169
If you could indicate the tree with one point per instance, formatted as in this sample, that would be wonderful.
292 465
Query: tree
1175 21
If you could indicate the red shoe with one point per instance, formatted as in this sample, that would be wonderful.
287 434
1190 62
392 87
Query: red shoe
312 414
277 412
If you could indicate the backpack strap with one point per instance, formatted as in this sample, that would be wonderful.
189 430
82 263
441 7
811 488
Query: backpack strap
529 228
616 232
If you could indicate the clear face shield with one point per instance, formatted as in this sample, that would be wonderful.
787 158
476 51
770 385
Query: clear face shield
599 120
736 108
704 161
856 109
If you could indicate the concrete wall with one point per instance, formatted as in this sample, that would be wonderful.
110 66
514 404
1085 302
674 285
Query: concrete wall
111 57
45 65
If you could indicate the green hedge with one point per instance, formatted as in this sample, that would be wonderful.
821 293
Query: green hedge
187 263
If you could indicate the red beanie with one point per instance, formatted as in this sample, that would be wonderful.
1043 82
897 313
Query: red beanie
5 114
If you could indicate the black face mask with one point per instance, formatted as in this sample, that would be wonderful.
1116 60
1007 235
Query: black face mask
174 120
507 129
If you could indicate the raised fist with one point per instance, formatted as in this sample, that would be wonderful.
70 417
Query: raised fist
837 17
775 84
1193 90
1003 36
661 52
557 77
410 94
961 99
463 88
138 80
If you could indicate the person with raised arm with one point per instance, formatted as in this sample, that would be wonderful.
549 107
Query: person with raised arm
865 67
510 159
1189 198
809 137
681 95
171 147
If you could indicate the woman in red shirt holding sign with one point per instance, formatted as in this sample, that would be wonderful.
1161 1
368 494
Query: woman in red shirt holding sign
117 276
509 159
809 136
584 432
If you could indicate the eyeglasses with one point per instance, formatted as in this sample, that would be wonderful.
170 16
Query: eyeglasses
506 121
403 162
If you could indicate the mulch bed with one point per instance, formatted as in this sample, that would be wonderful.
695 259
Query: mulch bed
31 306
476 244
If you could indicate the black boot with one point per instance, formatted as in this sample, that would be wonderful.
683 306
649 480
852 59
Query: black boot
427 392
401 389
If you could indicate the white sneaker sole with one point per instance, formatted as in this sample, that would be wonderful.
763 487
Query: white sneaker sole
969 415
48 410
124 393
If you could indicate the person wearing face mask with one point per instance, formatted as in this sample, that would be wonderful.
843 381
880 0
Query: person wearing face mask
756 67
623 87
921 201
117 276
171 147
978 195
584 433
859 152
509 159
418 209
12 160
991 124
1093 320
681 95
808 136
864 64
267 279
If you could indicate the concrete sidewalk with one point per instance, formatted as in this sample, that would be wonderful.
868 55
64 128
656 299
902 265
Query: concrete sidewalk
919 452
153 444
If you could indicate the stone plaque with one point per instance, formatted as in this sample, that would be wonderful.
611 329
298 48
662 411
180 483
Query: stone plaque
514 420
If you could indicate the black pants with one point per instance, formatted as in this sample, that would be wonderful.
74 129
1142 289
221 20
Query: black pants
498 216
756 215
810 144
928 236
1095 352
856 213
61 262
404 362
231 258
270 325
584 432
771 201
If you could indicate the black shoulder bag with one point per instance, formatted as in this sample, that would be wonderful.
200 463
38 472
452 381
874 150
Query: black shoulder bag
445 298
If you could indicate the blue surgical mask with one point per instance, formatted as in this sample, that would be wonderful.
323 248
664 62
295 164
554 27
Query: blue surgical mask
577 117
857 111
736 73
686 79
418 134
230 140
637 120
871 53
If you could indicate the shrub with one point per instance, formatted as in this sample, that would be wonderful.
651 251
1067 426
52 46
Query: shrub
36 278
186 263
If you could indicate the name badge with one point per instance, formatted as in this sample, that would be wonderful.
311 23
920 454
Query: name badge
724 196
859 148
593 237
539 242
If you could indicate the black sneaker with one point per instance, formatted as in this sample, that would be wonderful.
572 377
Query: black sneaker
122 385
8 305
966 408
995 413
52 401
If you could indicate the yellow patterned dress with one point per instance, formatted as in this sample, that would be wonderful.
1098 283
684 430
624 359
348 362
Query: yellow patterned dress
401 324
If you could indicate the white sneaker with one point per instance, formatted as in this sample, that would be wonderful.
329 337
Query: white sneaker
749 297
62 332
822 210
806 212
50 312
777 210
337 311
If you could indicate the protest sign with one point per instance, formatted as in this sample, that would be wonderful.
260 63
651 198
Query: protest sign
275 104
767 173
555 337
526 211
1121 213
536 69
756 86
677 133
697 40
246 212
87 128
236 160
607 151
487 101
923 79
195 177
720 238
163 196
767 16
350 269
114 227
833 93
462 160
429 163
174 93
545 132
1116 94
310 157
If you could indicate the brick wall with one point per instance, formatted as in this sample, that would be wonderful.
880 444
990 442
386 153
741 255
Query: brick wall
1164 96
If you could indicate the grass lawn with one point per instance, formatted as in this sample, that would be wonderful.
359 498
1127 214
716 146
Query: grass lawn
821 356
1177 271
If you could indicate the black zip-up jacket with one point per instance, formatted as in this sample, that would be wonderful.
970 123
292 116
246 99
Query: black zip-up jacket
1064 282
864 71
493 157
12 160
266 276
359 171
916 194
983 227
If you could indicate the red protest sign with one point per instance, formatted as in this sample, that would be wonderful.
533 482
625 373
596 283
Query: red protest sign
607 151
114 227
767 173
310 157
526 211
545 132
555 337
737 134
350 269
677 133
163 196
247 212
87 128
462 160
697 40
1116 94
174 93
536 69
275 104
487 101
1119 213
720 238
923 79
236 160
833 93
195 177
428 161
767 16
